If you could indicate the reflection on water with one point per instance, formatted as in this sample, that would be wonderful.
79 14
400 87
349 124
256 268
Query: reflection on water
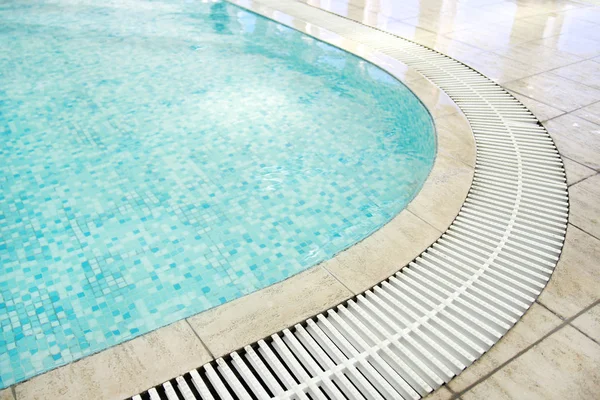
220 18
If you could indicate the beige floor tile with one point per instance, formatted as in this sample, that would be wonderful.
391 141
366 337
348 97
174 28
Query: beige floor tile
123 370
556 91
253 317
589 323
590 2
480 3
566 365
576 139
542 111
407 31
442 23
520 29
383 253
576 172
488 40
584 209
440 394
438 203
393 10
456 139
575 283
585 72
6 395
585 13
534 54
571 44
523 9
536 323
563 23
587 32
590 113
512 9
499 68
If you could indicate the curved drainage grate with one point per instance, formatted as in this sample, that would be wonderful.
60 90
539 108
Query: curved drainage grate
416 330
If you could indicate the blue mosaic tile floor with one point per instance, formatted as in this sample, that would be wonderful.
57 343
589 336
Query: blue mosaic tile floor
161 158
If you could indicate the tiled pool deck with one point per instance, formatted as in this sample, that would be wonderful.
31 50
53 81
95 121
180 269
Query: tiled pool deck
553 352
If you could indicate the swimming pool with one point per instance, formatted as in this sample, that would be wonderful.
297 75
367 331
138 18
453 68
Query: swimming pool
162 158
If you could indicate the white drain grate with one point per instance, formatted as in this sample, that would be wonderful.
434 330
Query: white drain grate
416 330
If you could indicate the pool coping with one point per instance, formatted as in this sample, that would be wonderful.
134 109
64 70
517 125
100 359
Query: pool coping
216 332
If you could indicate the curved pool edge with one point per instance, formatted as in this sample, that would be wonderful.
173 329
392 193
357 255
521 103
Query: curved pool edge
470 287
364 264
235 324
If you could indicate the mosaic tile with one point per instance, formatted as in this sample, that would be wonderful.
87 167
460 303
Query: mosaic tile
162 158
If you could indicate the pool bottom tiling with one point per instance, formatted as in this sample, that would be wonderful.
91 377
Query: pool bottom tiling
162 158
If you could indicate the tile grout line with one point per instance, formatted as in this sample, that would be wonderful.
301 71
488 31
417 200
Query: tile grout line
570 322
578 162
337 279
449 155
571 113
583 333
582 179
428 223
200 339
453 394
516 80
583 230
581 108
531 98
537 301
572 80
566 322
553 69
549 105
529 65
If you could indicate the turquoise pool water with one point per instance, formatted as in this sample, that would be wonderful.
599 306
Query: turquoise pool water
159 158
